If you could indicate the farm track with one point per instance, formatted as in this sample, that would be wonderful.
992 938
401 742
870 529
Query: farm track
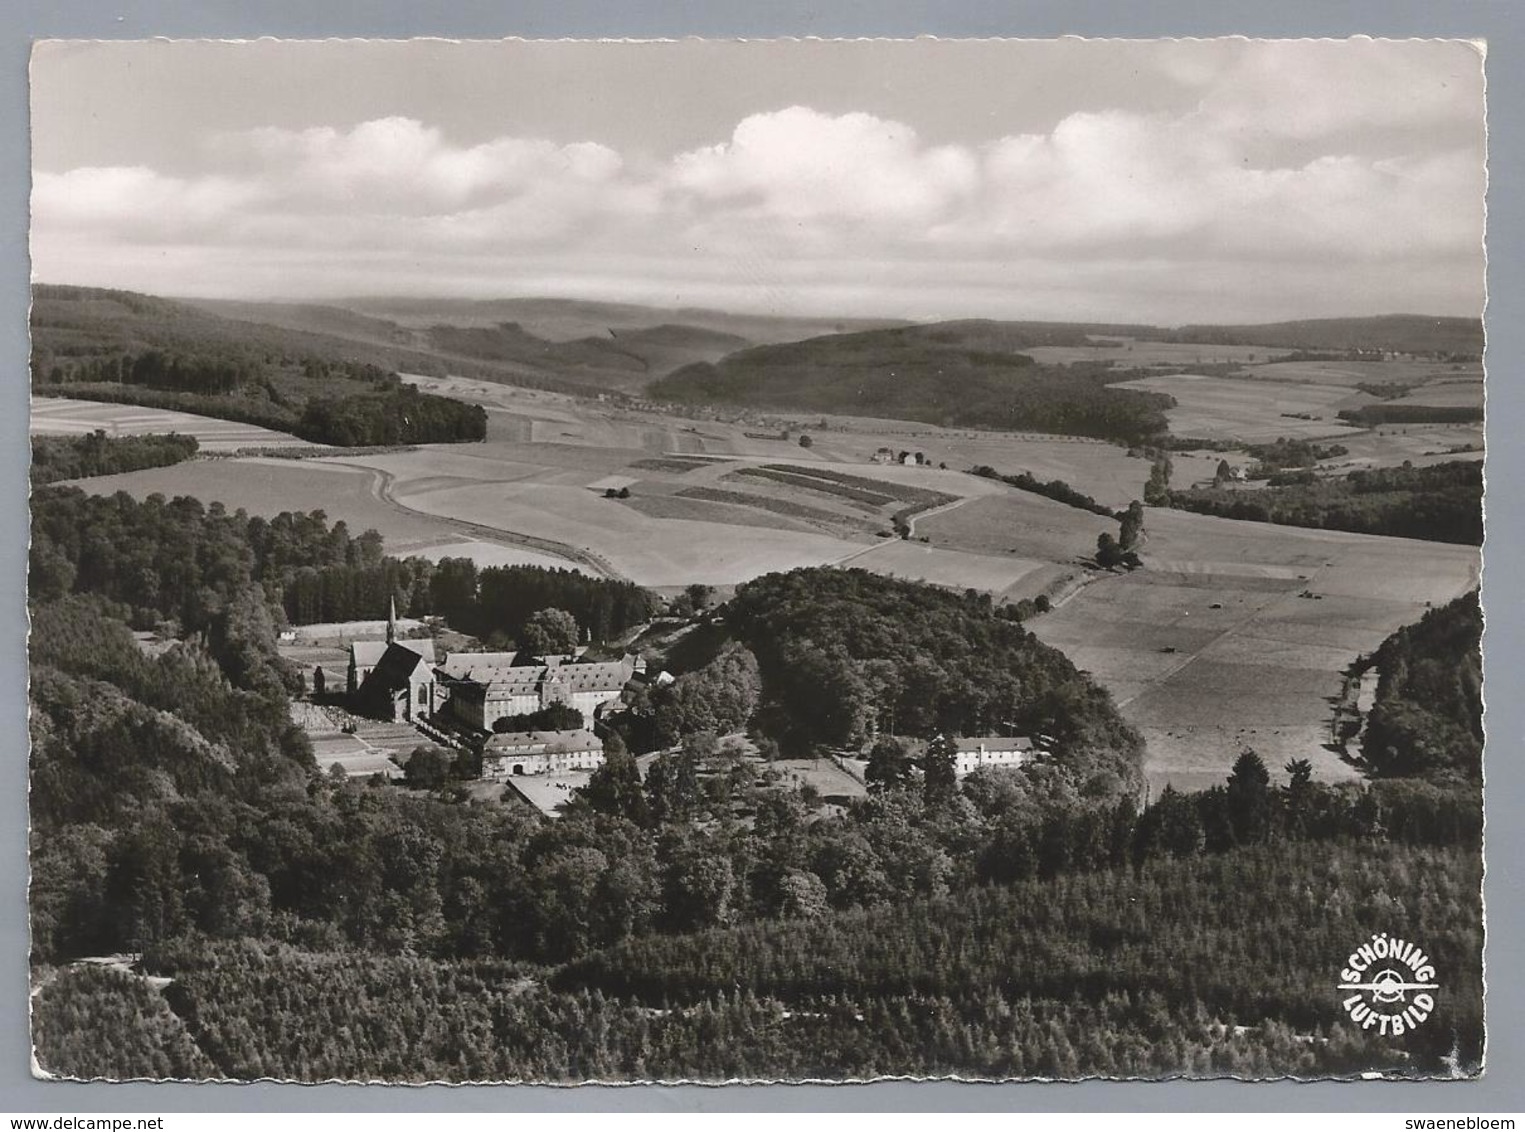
910 523
383 483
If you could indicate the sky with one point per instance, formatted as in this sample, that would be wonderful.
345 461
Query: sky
1146 181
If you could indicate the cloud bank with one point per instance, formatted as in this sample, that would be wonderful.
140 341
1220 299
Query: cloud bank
1293 188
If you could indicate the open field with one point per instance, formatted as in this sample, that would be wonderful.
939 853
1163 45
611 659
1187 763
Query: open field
1407 373
1103 471
267 487
919 562
506 501
1226 408
1419 443
652 551
1013 522
61 416
1467 394
700 510
1201 682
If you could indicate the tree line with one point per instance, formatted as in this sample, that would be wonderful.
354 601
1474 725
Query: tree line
180 560
327 401
57 458
1441 502
1054 489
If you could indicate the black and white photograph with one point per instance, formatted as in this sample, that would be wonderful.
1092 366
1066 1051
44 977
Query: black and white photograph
779 560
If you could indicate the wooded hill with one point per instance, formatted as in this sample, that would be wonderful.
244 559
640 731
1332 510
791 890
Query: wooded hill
1427 720
121 347
1431 335
970 374
611 358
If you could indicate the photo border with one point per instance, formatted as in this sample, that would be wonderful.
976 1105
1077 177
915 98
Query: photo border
1502 1086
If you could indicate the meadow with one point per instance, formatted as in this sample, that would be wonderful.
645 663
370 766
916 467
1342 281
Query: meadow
1213 647
1226 408
63 416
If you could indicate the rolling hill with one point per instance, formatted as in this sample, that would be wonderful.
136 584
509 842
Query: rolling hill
562 320
619 358
1401 333
967 373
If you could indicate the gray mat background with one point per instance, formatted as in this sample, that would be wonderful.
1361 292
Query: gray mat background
1501 23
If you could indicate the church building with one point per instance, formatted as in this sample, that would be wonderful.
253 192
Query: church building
393 679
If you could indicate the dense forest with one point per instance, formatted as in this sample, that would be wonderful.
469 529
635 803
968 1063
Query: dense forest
175 561
493 602
846 654
712 920
1442 502
1209 967
115 346
1427 719
962 374
57 458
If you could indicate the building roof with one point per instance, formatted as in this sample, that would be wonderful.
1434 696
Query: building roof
459 665
367 654
396 668
977 743
506 680
605 676
542 742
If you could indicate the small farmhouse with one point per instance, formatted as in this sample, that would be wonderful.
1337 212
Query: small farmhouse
516 753
974 753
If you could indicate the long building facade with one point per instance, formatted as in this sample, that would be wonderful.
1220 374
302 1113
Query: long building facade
517 753
485 687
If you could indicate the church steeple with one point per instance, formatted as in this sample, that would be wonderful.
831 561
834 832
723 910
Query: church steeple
392 620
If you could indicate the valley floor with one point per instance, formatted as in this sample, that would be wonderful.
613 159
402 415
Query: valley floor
1211 648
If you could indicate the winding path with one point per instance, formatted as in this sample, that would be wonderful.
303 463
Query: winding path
383 484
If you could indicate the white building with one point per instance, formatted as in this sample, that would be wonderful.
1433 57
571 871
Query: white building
515 753
988 751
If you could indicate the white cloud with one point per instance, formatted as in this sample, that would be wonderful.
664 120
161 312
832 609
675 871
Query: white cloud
852 209
797 164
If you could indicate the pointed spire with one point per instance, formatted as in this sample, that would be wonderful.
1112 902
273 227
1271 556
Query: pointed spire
392 620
